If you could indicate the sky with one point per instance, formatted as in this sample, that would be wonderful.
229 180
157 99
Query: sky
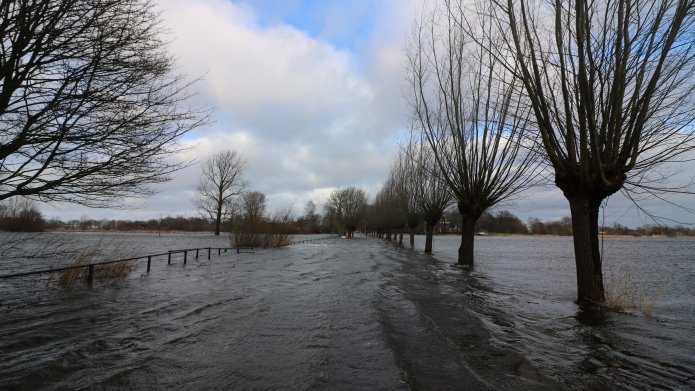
311 93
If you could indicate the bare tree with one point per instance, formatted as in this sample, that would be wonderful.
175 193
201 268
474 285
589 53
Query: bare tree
431 192
384 215
466 108
220 181
253 205
90 111
405 178
19 214
611 86
348 206
311 218
402 178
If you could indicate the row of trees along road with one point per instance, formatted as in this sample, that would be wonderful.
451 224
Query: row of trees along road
598 94
346 207
468 111
413 192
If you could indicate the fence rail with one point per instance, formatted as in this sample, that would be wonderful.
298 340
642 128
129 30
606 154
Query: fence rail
185 251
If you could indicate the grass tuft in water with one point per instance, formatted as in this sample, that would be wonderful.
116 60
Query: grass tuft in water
103 274
624 294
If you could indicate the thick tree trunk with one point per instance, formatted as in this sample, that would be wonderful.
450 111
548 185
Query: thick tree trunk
400 238
467 240
586 250
429 230
412 238
218 221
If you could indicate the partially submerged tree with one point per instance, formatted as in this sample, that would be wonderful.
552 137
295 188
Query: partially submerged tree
611 86
90 111
402 178
431 192
466 107
383 216
221 180
347 205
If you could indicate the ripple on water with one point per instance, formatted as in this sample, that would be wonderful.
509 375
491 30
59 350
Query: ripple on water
346 314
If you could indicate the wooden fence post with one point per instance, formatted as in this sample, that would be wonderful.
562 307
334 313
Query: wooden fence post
90 275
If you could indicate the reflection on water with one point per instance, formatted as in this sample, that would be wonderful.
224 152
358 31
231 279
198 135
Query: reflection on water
360 314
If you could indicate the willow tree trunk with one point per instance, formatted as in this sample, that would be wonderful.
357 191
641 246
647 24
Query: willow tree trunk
412 238
218 220
587 256
400 238
467 240
429 231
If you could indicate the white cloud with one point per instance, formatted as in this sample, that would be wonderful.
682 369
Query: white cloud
308 115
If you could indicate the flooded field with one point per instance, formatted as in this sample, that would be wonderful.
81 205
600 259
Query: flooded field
351 314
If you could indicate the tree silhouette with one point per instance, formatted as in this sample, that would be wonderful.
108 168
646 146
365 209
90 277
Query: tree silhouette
611 87
466 108
221 179
90 111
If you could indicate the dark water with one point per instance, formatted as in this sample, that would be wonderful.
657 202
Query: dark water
359 314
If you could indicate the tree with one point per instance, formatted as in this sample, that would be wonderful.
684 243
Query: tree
466 108
90 111
404 194
347 205
611 87
501 222
220 181
431 193
20 214
253 206
384 215
311 218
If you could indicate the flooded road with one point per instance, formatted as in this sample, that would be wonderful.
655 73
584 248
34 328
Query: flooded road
333 314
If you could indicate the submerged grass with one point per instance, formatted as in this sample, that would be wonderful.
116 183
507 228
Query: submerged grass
104 274
626 295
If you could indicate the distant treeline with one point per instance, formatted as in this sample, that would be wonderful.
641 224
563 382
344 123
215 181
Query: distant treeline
21 215
505 222
169 223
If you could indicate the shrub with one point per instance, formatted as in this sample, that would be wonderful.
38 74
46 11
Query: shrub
623 294
104 274
256 231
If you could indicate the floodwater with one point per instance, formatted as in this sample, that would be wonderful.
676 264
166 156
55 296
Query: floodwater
351 314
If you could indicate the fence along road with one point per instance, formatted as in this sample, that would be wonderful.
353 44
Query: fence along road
90 273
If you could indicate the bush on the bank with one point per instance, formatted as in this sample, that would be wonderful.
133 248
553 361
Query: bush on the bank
254 231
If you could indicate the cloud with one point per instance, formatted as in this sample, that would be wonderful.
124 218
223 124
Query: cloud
311 95
309 115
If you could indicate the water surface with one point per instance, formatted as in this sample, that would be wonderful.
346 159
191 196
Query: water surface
351 314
